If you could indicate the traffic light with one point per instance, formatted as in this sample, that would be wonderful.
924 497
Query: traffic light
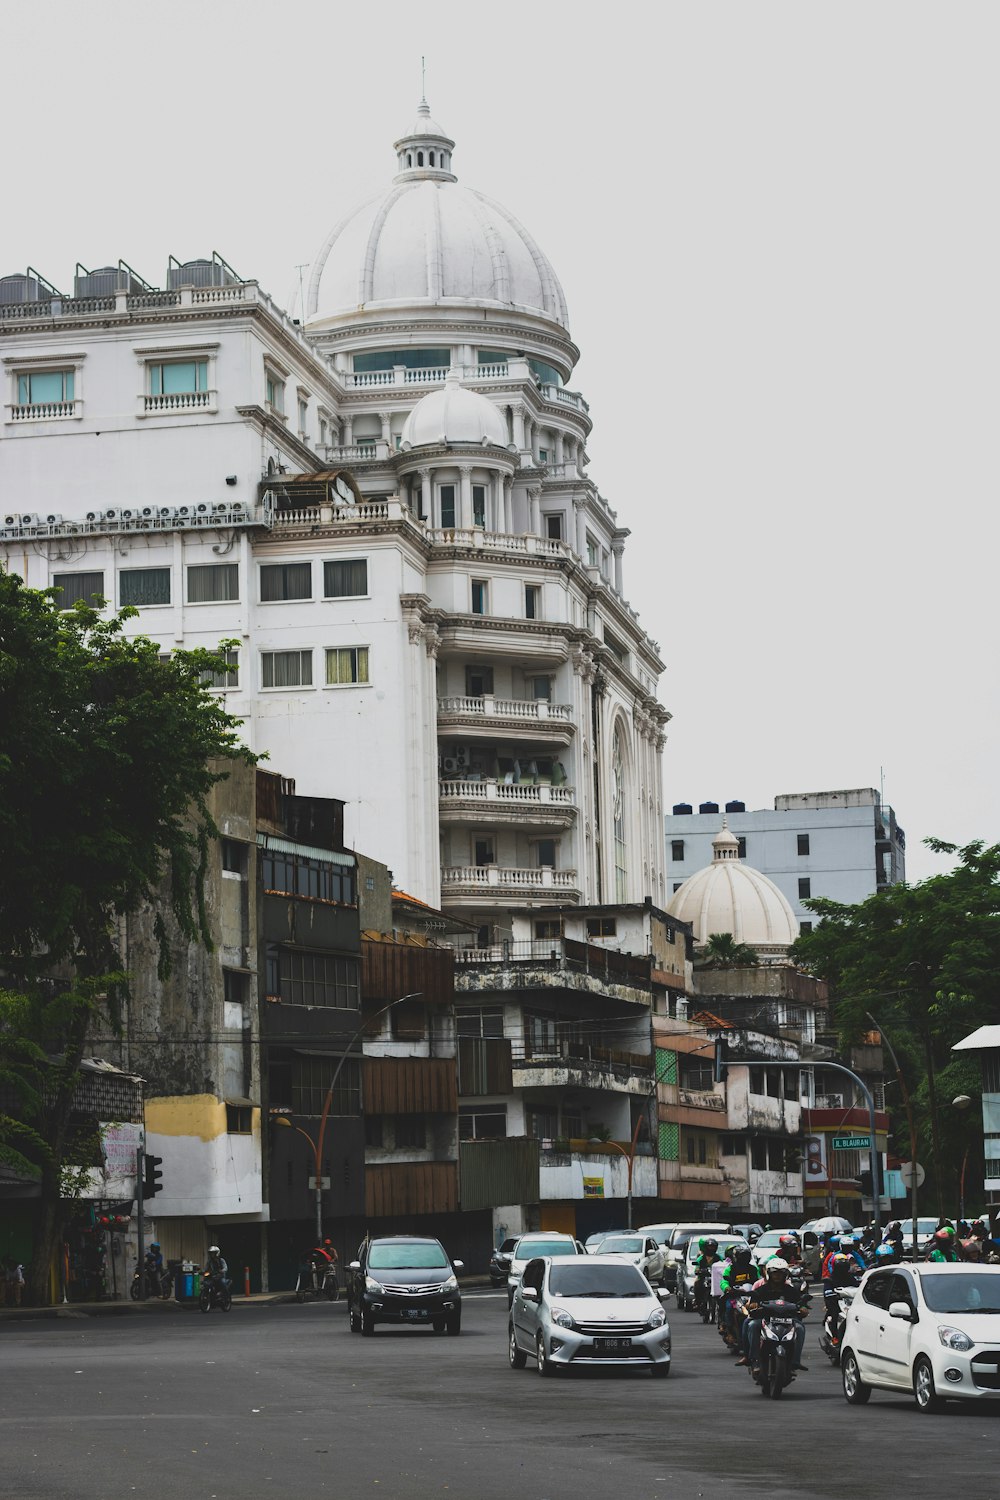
872 1188
152 1180
719 1070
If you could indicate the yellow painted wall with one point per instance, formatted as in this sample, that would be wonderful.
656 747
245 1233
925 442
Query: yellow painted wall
201 1115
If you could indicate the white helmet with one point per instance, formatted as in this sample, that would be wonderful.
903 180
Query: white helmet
214 1250
777 1264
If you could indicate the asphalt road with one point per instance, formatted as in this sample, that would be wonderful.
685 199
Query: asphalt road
283 1401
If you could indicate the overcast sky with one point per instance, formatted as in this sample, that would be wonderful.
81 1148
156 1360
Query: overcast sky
776 227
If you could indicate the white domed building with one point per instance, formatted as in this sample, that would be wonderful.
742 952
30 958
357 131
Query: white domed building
730 896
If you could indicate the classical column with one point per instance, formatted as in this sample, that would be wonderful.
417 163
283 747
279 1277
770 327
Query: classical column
518 414
424 475
507 503
348 432
465 498
618 548
580 506
385 418
559 447
535 509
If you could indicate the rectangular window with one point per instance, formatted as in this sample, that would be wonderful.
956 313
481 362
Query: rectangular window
532 602
178 377
373 1130
447 497
602 927
345 580
75 586
479 505
297 976
805 887
802 843
689 1149
541 688
593 553
758 1155
677 849
144 586
482 1122
45 388
229 679
411 1132
478 682
549 928
702 1151
805 927
284 669
282 581
554 527
213 583
696 1073
480 596
303 416
310 1084
479 1023
483 852
543 455
239 1119
274 392
298 875
346 666
234 859
545 850
741 846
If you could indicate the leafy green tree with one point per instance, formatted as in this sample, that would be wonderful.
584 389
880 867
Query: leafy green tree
722 951
107 755
924 961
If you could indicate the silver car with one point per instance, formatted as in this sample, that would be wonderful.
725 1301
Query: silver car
591 1310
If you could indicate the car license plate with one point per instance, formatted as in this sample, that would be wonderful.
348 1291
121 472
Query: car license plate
414 1312
612 1346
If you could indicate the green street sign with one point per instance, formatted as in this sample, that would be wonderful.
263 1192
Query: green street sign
852 1143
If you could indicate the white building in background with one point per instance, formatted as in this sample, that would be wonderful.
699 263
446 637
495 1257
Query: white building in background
842 845
387 511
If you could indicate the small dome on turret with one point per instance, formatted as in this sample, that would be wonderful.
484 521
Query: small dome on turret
452 414
730 896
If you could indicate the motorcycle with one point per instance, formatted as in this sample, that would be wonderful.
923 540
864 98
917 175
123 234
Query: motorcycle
157 1284
214 1293
734 1312
312 1282
831 1335
703 1294
778 1323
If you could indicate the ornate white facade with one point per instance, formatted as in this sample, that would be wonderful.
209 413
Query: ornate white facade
388 510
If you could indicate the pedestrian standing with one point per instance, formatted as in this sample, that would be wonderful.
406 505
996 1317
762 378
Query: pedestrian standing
15 1283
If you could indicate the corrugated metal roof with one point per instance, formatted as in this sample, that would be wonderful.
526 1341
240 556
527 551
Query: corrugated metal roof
986 1036
286 846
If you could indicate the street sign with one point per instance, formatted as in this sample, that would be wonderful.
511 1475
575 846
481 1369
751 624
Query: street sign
324 1183
906 1173
852 1143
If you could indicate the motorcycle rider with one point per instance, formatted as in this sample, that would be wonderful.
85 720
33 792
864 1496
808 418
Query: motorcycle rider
217 1269
153 1267
773 1287
323 1261
708 1256
789 1249
943 1246
843 1271
738 1277
843 1246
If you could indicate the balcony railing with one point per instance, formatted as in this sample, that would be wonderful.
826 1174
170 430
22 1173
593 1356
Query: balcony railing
500 879
580 1054
562 953
44 411
535 709
179 401
520 794
498 541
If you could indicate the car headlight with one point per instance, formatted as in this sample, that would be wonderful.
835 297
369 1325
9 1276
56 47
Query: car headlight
562 1317
954 1338
371 1285
451 1285
656 1319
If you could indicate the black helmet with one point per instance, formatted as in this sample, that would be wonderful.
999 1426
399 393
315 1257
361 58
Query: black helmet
741 1255
710 1246
154 1246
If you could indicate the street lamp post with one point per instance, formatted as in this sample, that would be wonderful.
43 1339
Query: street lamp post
962 1102
629 1156
317 1143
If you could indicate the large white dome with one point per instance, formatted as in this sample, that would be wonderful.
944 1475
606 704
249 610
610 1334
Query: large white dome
729 896
429 239
451 414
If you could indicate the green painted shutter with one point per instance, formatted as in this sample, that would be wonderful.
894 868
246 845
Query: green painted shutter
668 1145
666 1066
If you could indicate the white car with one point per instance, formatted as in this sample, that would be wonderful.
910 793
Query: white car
932 1328
529 1246
687 1275
641 1249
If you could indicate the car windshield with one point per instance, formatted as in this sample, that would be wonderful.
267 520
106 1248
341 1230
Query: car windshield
771 1238
963 1292
584 1279
406 1257
924 1226
630 1244
529 1250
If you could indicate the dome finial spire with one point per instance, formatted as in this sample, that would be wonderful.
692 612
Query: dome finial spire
423 82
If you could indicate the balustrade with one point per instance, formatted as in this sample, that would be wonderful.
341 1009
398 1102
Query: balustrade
43 411
500 877
490 790
506 708
179 401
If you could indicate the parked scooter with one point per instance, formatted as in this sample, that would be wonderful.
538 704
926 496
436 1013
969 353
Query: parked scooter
158 1284
313 1282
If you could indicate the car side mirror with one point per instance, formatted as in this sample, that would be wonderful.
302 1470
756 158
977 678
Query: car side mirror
458 1265
529 1294
354 1266
902 1310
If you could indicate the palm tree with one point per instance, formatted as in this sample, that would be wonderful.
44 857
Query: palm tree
722 951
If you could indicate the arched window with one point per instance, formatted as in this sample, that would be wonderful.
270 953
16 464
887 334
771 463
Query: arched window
420 158
619 815
431 158
409 158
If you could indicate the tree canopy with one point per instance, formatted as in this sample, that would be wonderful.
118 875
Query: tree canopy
722 951
924 961
108 751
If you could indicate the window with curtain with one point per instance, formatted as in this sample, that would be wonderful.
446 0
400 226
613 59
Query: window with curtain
345 580
178 377
283 669
44 387
224 679
77 586
346 666
213 583
283 581
144 586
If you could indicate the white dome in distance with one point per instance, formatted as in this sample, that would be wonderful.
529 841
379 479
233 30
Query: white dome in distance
730 896
452 414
